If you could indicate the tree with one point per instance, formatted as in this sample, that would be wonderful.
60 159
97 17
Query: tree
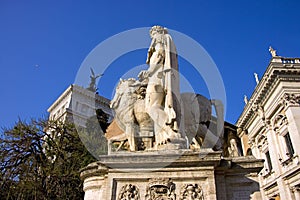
93 136
41 160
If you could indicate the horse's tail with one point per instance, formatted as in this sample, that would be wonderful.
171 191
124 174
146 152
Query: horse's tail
219 108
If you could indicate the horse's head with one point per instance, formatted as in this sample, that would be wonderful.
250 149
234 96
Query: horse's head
123 87
115 101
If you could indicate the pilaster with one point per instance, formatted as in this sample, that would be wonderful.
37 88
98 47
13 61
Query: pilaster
292 111
296 191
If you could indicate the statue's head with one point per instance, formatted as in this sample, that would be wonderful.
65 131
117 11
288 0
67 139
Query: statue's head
125 83
231 136
158 29
131 81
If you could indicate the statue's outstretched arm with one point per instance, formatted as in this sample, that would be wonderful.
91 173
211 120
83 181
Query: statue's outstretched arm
150 51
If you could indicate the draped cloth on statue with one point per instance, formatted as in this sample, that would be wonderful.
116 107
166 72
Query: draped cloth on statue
171 82
162 94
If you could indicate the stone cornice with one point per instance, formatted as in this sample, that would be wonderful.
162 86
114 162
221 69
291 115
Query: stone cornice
77 89
93 169
291 173
90 94
161 160
279 69
60 98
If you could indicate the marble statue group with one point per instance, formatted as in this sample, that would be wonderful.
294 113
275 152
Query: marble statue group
149 110
163 144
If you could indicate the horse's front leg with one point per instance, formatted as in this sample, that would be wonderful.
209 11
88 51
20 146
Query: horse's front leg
120 145
130 133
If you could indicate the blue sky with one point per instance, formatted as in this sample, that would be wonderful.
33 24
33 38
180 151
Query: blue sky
43 44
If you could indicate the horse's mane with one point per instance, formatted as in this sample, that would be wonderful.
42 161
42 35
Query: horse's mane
125 104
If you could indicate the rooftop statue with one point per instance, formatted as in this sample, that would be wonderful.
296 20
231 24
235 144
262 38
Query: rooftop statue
92 87
272 52
245 99
256 78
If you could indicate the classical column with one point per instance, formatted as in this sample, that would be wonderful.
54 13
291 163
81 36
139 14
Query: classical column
292 111
296 191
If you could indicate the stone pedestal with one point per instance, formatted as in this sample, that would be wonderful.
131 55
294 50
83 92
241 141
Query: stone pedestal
94 181
180 174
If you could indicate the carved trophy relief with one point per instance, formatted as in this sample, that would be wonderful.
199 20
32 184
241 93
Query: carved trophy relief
259 109
129 192
160 189
289 99
191 192
279 121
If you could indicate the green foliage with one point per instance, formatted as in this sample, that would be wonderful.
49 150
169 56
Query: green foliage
93 136
41 160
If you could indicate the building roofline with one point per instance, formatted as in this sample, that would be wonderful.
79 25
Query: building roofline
265 85
60 98
80 90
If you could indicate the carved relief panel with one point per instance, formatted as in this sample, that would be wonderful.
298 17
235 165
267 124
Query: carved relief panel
191 192
129 192
160 189
289 99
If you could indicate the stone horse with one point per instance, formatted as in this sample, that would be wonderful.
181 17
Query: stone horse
197 112
123 104
197 121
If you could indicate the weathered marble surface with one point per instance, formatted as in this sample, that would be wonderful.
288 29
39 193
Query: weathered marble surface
157 91
133 123
173 174
149 138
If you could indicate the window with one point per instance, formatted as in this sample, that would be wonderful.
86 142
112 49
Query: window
268 159
84 108
290 150
76 106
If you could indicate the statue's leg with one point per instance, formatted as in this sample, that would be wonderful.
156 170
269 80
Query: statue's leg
109 144
211 140
153 104
130 136
155 96
195 144
219 107
120 145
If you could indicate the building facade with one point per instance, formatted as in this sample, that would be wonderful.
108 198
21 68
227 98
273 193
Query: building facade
269 128
78 104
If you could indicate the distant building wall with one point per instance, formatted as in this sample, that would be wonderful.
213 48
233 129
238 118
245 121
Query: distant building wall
77 103
270 126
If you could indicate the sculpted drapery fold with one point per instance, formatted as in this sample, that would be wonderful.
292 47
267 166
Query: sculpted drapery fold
162 95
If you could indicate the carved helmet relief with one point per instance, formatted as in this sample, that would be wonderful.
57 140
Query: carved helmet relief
129 192
191 192
279 121
291 99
